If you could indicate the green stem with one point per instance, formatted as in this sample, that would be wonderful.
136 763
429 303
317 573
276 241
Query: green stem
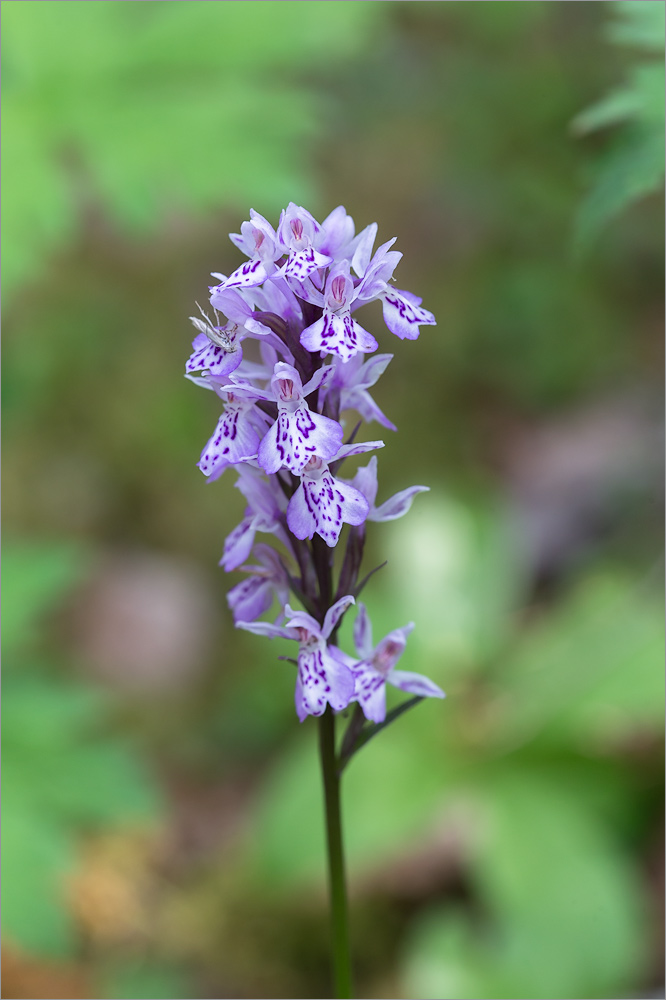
336 864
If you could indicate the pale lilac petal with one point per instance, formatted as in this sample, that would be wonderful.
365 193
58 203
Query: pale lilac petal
301 619
250 598
344 658
304 262
362 249
299 701
241 387
252 272
335 613
269 629
238 544
403 317
300 517
414 684
370 693
363 633
337 231
397 505
358 448
365 480
372 369
318 379
341 681
233 440
364 404
387 652
269 457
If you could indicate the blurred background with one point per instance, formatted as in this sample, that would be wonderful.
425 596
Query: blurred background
162 823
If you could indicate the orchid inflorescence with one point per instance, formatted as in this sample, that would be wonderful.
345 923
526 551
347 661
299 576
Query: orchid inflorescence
281 428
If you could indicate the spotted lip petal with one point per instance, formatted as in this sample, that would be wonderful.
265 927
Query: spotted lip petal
403 314
323 680
233 440
339 334
303 263
252 272
295 437
322 506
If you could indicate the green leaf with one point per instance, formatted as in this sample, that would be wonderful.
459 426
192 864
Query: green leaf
641 23
631 169
37 854
143 981
36 575
590 671
565 913
569 898
61 775
633 165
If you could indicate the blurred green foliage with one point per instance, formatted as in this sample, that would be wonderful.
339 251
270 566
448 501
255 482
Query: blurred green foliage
633 165
522 760
158 113
64 771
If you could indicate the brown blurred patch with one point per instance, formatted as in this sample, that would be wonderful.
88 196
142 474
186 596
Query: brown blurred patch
25 977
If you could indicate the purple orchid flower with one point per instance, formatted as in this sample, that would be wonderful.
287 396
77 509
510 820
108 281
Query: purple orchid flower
402 310
322 503
251 597
336 332
258 240
234 439
298 232
298 433
396 506
323 678
376 668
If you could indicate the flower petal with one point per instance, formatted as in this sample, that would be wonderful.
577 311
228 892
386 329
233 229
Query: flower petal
295 437
397 505
335 613
250 598
268 629
300 516
359 448
238 544
252 272
402 316
324 505
414 684
304 262
324 680
370 693
363 633
210 357
233 440
338 333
